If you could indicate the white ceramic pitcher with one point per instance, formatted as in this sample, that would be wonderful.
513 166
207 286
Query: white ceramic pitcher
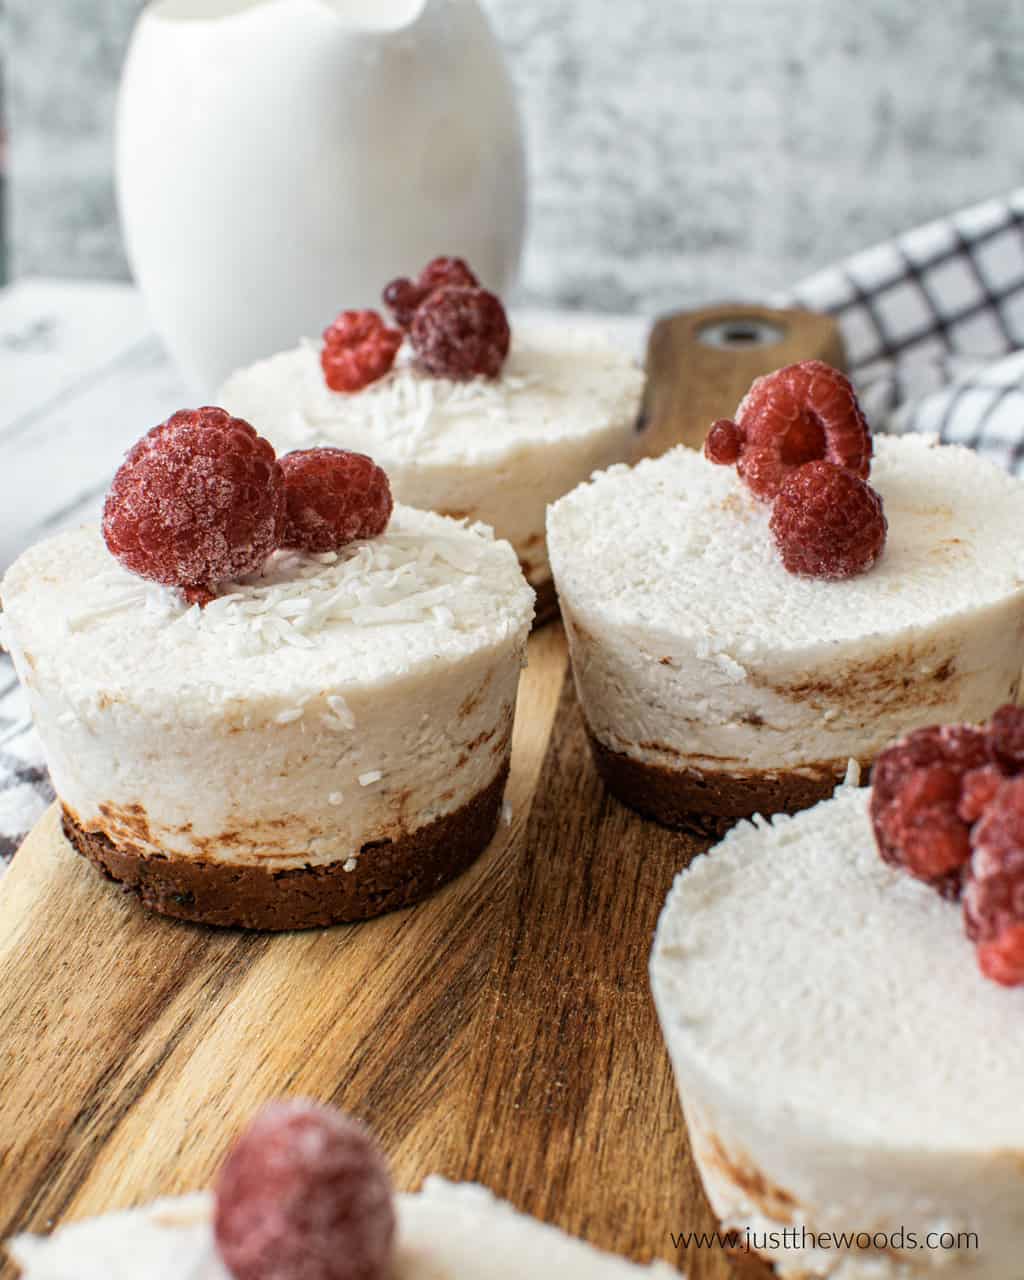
280 160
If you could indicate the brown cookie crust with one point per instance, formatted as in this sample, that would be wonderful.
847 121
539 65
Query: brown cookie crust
546 608
389 874
706 803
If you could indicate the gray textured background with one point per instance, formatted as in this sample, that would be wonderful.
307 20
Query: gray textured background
680 149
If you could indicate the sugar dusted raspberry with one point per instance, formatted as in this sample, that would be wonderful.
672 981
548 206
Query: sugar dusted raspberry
201 596
827 522
724 443
1006 736
1002 960
358 349
461 333
802 413
994 891
403 296
199 500
333 497
916 789
978 790
960 746
442 272
305 1195
932 838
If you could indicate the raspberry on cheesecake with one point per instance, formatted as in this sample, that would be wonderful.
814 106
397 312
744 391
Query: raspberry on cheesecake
467 419
844 1065
266 738
733 646
947 806
305 1195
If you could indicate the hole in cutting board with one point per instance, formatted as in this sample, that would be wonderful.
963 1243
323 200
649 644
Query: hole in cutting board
740 333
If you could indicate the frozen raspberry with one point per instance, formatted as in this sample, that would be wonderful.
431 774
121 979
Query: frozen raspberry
827 522
461 334
994 891
978 791
305 1195
403 296
1006 738
916 789
806 412
960 746
358 349
1002 960
933 840
724 443
199 500
333 497
198 595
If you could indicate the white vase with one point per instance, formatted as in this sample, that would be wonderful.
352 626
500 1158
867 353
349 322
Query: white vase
281 160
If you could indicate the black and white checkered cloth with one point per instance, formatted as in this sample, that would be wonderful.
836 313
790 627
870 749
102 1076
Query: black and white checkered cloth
934 329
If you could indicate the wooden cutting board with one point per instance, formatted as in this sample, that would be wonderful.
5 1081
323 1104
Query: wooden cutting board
502 1032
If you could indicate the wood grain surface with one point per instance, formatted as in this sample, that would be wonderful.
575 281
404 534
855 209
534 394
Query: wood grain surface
501 1032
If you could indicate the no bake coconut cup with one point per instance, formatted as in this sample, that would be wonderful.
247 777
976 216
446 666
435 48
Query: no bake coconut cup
324 741
843 1064
498 450
716 684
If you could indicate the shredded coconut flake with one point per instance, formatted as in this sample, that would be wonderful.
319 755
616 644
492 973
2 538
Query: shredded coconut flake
341 713
288 717
370 777
350 864
422 572
400 577
406 407
335 798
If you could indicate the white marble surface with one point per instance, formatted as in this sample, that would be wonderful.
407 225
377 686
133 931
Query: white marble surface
680 151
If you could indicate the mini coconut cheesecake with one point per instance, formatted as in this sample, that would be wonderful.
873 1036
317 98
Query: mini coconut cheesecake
716 683
843 1064
448 1231
498 450
325 740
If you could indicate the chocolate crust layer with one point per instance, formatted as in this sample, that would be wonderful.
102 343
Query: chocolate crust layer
706 803
389 874
546 608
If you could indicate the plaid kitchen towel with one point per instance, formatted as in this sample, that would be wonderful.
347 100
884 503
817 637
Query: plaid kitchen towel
934 327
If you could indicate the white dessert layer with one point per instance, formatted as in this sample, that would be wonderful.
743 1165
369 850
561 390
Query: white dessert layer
842 1063
499 451
448 1231
692 646
328 703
